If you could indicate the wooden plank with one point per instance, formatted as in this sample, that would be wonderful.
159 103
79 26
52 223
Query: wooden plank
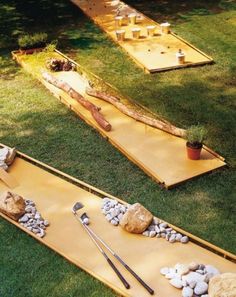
153 54
161 155
54 198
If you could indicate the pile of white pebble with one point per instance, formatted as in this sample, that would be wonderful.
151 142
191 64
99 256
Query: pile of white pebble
193 279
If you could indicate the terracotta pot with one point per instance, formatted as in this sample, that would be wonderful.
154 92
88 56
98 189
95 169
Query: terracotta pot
30 51
193 153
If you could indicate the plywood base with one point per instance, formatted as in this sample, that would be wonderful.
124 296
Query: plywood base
55 197
153 54
159 154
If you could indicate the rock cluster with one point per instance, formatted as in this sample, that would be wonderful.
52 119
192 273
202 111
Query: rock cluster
59 65
193 279
113 210
12 205
32 219
136 219
7 156
161 229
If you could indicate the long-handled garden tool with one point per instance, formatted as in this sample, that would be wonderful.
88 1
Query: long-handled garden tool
84 219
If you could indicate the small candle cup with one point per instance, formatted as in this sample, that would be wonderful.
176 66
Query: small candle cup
119 21
165 28
136 33
180 58
132 18
151 30
120 35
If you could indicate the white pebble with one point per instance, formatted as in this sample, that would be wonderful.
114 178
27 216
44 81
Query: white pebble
201 288
184 239
176 282
164 270
152 234
187 292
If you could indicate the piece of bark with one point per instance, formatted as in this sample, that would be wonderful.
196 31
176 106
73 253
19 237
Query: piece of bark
136 219
79 98
12 205
167 127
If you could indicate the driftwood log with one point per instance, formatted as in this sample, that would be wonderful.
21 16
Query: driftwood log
95 111
167 127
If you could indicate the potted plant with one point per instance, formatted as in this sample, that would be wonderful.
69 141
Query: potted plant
32 43
195 136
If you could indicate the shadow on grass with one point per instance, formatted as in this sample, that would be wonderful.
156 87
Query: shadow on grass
18 17
182 10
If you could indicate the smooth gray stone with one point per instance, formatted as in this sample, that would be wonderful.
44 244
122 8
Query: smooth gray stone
176 282
164 270
208 276
155 221
151 228
146 233
163 235
108 217
163 225
152 233
24 219
178 237
172 238
114 222
46 223
167 236
184 239
187 292
120 216
211 269
200 271
201 288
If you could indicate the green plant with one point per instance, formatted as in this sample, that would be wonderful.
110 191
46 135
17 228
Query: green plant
195 136
36 40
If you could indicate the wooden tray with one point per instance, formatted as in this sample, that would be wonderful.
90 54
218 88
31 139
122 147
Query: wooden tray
161 155
153 54
56 192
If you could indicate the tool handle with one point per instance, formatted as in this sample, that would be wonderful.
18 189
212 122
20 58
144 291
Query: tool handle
125 283
150 290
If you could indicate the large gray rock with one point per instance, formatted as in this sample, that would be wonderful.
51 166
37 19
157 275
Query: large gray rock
136 219
12 205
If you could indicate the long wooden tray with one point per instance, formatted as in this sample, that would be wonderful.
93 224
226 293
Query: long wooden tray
153 54
56 192
161 155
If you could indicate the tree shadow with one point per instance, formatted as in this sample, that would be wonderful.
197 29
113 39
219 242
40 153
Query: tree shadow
178 11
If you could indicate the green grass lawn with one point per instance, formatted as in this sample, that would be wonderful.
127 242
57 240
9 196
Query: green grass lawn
37 124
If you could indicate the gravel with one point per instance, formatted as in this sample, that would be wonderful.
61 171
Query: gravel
32 219
113 211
